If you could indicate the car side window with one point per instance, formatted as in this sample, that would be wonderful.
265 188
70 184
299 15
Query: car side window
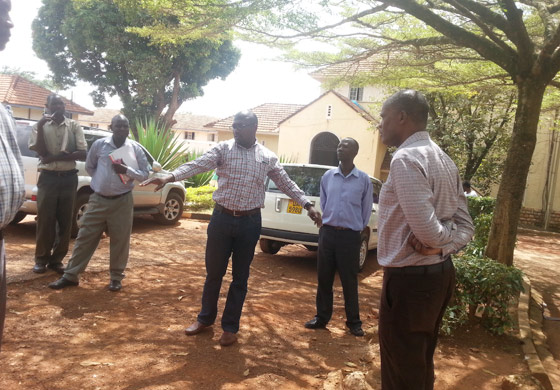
23 132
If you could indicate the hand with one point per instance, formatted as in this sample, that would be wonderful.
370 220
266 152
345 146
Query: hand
44 119
421 248
120 168
158 181
315 216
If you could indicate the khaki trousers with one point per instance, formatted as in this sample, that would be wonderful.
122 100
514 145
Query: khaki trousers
116 216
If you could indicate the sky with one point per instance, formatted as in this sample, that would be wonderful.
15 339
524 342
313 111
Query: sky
258 78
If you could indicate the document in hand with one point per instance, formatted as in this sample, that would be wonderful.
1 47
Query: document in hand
125 154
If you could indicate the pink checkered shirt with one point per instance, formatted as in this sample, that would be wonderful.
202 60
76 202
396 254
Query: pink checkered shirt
424 195
242 173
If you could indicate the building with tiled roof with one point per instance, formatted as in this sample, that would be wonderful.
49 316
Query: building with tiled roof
101 118
28 99
269 115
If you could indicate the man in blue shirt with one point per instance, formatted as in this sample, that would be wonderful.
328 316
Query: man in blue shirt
111 206
346 201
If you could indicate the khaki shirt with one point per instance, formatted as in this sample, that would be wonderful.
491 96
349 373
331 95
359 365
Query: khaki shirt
68 137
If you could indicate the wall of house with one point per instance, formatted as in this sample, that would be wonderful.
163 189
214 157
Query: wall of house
297 133
545 166
372 94
27 113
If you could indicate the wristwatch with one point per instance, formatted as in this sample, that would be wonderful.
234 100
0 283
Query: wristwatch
307 205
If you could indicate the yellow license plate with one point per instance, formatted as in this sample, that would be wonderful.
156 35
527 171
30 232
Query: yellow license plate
294 208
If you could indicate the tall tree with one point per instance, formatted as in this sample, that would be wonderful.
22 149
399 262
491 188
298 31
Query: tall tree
94 41
520 40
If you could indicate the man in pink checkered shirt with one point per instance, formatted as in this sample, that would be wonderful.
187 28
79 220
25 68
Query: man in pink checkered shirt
423 219
242 166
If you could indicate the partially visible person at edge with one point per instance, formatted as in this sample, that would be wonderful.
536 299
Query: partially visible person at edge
346 201
59 142
110 206
12 185
423 220
242 166
469 192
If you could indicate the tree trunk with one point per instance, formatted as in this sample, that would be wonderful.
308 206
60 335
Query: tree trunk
175 103
503 232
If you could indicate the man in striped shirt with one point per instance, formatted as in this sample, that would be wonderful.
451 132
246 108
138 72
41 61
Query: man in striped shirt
242 166
423 219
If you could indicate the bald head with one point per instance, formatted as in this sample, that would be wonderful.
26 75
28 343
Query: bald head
245 124
120 128
119 117
413 103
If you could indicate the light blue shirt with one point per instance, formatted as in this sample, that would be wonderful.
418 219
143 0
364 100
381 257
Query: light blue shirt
104 180
346 201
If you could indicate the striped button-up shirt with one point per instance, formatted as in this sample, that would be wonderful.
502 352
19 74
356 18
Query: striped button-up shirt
12 185
423 195
241 175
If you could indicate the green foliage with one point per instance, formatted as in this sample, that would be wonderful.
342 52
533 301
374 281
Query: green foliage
474 129
31 76
481 205
200 198
485 289
93 41
202 179
161 142
283 159
481 210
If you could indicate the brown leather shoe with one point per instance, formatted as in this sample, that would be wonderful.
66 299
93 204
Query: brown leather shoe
195 328
228 338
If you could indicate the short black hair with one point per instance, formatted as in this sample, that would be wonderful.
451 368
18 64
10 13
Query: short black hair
412 102
248 117
354 142
52 97
466 184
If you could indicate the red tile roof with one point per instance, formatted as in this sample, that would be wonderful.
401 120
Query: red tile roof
20 92
270 115
190 122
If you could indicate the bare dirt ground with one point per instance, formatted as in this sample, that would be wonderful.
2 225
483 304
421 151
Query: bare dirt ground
89 338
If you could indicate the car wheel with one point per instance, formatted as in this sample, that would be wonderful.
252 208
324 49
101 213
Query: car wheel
363 251
172 209
18 217
270 246
79 210
311 248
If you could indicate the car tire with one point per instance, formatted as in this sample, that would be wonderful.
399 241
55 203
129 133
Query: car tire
311 248
18 217
172 209
79 210
363 251
269 246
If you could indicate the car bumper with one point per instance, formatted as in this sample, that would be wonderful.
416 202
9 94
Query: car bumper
29 207
311 239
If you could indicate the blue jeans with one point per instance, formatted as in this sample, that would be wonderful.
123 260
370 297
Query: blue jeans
235 236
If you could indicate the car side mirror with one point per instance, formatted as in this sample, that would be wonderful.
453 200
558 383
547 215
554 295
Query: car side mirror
156 167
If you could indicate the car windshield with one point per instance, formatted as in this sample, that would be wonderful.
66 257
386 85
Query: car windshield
307 178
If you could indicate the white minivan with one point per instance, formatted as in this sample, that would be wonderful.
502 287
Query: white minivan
166 205
285 222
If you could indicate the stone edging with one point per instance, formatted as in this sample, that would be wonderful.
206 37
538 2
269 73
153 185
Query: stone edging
201 216
526 336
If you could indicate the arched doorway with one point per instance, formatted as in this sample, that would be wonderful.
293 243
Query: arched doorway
323 149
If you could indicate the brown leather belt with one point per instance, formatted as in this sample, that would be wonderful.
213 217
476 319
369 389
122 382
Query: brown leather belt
237 213
336 227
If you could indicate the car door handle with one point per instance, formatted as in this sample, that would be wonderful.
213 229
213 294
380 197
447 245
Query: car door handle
278 203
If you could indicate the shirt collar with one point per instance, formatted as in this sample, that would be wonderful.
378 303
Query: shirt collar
418 136
110 141
354 171
243 147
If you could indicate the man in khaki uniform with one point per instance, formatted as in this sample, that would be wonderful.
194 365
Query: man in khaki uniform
59 142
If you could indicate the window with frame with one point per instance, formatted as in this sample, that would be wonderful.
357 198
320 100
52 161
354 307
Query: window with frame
356 93
189 135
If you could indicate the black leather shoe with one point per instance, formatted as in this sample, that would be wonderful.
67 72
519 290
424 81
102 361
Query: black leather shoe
315 323
58 268
62 283
357 331
40 268
115 285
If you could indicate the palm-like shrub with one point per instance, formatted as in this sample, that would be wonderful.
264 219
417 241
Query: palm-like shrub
162 143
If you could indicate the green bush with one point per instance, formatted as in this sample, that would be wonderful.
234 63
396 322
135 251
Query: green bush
199 198
202 179
485 289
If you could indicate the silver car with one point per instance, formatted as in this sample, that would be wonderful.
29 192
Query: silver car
285 222
166 205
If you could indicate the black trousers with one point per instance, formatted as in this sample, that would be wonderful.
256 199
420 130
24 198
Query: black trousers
339 250
413 301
